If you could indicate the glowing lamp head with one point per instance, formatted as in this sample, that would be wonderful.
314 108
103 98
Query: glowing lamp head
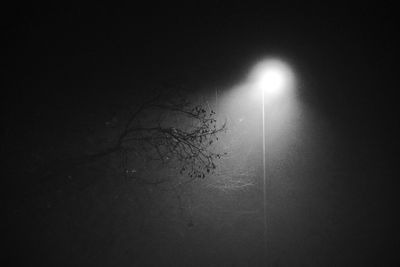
272 76
272 79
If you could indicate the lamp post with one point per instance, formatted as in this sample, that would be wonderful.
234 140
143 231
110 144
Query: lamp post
264 172
274 78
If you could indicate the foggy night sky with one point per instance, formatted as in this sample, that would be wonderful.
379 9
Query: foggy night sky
62 61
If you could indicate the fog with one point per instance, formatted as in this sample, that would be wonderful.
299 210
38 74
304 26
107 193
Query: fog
76 73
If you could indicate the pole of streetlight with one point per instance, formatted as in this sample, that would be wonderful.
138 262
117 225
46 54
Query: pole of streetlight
264 174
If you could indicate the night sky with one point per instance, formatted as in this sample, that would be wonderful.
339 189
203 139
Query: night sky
70 68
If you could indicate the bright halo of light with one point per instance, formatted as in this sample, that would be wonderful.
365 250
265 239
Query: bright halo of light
273 76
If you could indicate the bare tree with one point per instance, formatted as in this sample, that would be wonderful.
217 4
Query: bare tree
167 128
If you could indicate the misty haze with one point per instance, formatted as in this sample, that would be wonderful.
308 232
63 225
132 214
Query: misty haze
200 135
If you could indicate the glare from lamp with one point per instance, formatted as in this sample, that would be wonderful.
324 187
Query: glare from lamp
272 76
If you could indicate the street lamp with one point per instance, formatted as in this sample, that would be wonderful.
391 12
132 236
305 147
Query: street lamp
275 80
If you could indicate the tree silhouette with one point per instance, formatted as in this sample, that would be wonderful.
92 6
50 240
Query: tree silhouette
167 128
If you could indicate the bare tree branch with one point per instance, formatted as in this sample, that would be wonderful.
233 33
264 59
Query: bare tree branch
183 139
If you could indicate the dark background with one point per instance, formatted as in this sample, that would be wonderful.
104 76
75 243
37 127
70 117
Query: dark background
63 61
